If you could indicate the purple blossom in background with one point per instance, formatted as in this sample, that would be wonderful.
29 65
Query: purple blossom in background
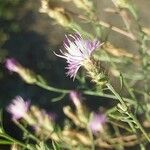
53 116
75 97
78 50
12 64
97 121
18 108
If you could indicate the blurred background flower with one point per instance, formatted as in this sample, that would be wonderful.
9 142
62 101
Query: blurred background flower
97 122
18 108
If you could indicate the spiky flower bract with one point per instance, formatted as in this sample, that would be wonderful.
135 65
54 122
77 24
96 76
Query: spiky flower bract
78 51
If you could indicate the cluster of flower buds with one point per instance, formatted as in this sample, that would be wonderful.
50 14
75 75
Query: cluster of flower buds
81 117
44 123
55 12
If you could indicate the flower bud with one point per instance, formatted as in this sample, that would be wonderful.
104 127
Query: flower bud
74 96
26 74
55 12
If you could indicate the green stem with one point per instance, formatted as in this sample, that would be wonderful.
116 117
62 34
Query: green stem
27 132
139 125
13 140
109 96
129 114
87 92
119 146
110 87
91 138
52 89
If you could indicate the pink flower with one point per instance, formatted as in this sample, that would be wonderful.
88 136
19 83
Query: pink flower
96 123
75 97
12 64
18 108
78 50
26 74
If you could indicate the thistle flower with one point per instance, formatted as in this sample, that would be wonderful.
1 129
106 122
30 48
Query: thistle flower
79 51
96 123
18 108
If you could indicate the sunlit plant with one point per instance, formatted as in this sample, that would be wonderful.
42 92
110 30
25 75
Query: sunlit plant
89 56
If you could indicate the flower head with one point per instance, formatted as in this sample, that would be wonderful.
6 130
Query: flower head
97 121
18 108
12 64
78 50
